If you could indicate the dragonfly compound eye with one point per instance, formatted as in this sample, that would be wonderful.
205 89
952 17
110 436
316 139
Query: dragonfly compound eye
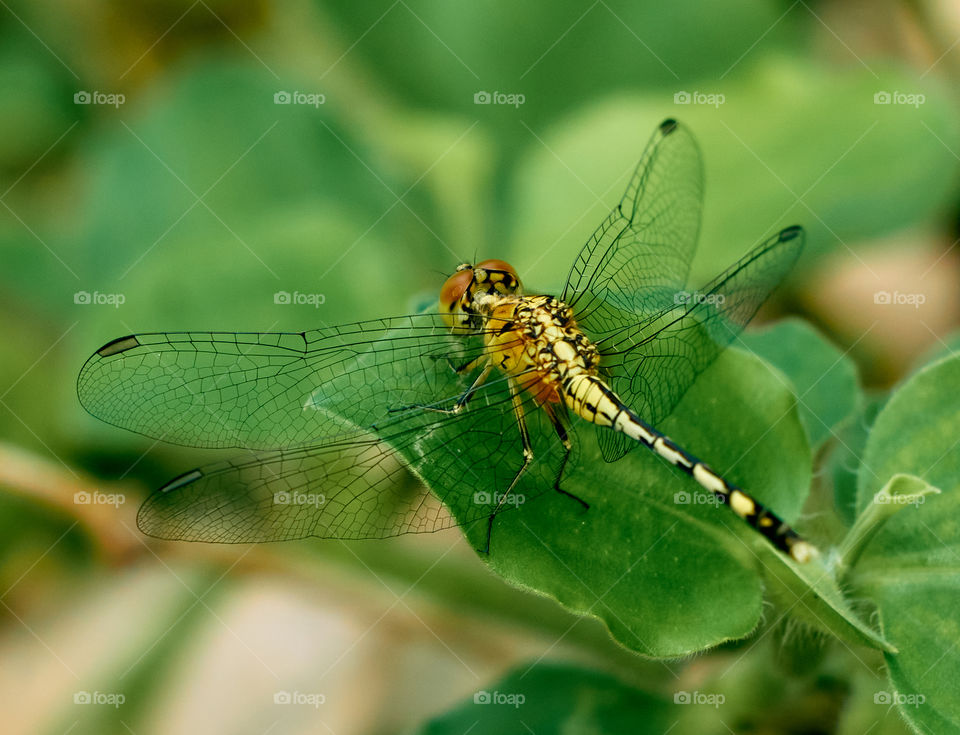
452 295
498 274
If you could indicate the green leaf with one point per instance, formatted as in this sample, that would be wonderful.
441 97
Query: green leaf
949 346
556 698
911 567
811 594
867 709
830 143
666 569
824 378
288 203
845 459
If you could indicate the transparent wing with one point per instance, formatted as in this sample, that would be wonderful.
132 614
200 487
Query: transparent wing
653 361
270 390
643 250
346 459
363 487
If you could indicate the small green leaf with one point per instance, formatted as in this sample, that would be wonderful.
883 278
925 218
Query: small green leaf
900 492
558 699
911 567
824 378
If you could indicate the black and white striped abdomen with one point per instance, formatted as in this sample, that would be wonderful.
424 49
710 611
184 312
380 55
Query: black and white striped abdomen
592 399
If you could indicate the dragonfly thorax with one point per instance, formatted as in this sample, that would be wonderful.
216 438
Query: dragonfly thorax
536 340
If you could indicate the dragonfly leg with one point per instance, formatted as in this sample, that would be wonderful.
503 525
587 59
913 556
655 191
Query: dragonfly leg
518 411
464 398
561 429
469 364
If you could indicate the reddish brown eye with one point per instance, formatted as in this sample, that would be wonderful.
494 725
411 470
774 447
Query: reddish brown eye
497 265
454 288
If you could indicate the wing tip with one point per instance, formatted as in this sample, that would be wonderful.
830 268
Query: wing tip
154 525
790 233
668 126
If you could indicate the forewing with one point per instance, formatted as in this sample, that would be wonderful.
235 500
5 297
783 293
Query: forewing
644 248
269 390
652 363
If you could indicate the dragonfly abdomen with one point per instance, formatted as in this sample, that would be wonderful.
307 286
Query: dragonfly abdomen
592 399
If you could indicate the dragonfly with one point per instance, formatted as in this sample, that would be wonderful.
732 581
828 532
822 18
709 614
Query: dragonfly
421 422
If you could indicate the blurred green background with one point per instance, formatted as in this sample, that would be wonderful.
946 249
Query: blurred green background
174 165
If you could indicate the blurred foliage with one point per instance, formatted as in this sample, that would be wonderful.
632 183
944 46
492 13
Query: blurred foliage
198 199
825 380
554 698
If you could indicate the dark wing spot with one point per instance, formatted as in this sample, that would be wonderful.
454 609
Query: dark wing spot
119 345
185 479
789 233
668 126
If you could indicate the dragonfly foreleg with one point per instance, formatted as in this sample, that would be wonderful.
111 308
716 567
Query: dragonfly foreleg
464 398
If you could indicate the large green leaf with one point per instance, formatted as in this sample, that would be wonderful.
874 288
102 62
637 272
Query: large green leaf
556 698
787 129
824 379
554 62
911 567
667 571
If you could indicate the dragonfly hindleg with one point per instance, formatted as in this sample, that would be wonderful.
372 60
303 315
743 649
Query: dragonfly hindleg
561 429
518 411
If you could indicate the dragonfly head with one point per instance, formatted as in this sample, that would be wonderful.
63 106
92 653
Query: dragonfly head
466 294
